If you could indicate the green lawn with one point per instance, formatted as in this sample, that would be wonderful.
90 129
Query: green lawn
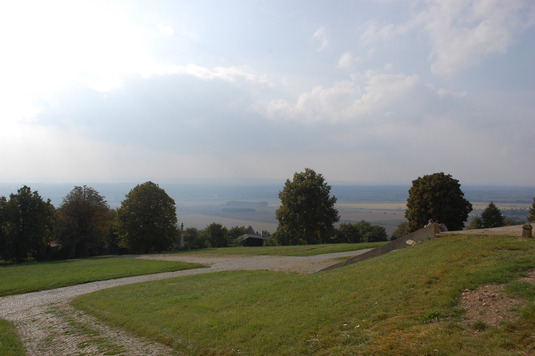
9 340
299 250
406 302
29 277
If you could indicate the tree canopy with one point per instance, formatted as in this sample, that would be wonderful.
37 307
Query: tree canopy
147 221
216 235
84 221
439 197
492 217
307 214
26 225
362 231
531 216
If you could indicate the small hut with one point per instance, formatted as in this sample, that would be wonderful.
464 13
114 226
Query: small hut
252 240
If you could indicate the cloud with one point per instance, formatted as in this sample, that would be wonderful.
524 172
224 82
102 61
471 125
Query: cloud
464 33
374 33
231 73
320 37
347 60
346 100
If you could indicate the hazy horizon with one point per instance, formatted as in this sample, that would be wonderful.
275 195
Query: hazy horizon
260 190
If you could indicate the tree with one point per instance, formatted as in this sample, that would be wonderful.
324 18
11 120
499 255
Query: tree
531 216
401 230
84 221
216 235
147 221
307 213
194 239
492 217
439 197
27 225
371 233
475 223
347 233
4 244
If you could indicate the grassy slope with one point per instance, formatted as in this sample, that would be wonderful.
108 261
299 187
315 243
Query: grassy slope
9 340
299 250
29 277
405 302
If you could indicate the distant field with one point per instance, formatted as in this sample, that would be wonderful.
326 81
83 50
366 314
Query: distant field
201 214
501 206
386 214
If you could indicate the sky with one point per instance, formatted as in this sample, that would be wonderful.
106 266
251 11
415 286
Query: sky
361 91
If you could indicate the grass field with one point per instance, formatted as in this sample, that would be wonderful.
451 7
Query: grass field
30 277
9 341
406 302
300 250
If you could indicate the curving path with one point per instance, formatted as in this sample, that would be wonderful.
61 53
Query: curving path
48 325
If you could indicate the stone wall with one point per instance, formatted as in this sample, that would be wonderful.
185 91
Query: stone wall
405 241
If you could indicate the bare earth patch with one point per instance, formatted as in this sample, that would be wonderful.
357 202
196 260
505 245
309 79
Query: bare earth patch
489 306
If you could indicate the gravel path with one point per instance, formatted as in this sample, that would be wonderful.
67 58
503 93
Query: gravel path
48 325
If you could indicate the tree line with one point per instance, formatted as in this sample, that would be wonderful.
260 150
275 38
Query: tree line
146 222
84 225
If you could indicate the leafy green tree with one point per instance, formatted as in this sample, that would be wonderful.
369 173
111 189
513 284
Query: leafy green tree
531 216
371 233
111 240
492 217
401 230
4 244
475 223
84 221
439 197
236 231
347 233
194 239
147 221
27 225
307 214
216 235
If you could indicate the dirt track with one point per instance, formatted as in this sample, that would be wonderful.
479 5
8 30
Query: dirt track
48 325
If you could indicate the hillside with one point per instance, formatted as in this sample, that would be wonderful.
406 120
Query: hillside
458 294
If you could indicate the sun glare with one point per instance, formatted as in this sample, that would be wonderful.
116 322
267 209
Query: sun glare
49 46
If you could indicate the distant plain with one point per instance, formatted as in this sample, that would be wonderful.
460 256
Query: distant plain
198 205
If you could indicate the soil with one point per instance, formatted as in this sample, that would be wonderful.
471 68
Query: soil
489 306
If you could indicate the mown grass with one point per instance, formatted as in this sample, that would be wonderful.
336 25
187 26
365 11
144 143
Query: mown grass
30 277
297 250
9 341
403 303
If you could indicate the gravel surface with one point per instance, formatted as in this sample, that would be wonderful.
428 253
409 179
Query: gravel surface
515 230
48 325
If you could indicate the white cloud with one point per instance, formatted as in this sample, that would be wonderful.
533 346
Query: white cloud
374 33
346 100
464 33
320 36
347 60
231 73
